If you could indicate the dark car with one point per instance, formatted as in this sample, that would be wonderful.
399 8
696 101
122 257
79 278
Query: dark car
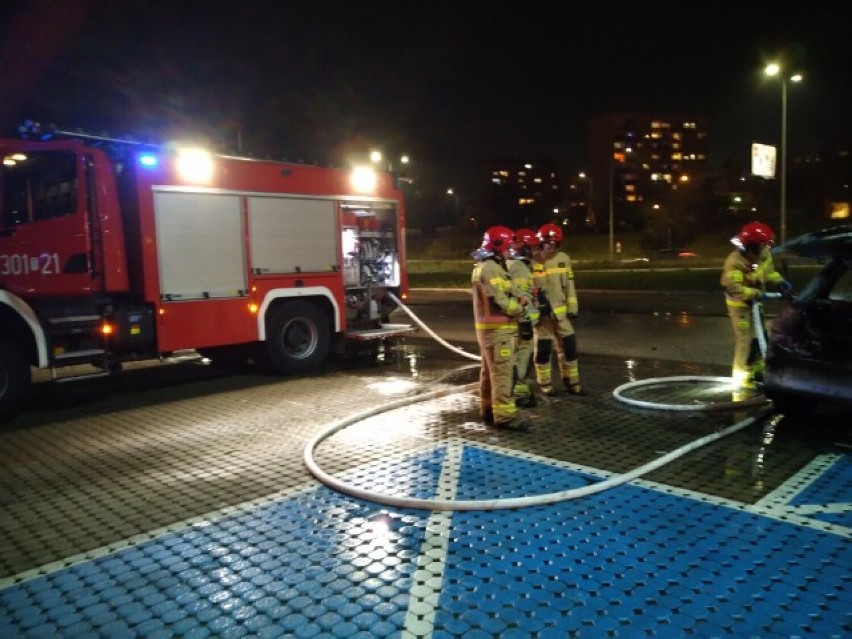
809 350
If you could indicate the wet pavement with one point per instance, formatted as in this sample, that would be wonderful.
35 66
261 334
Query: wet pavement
174 501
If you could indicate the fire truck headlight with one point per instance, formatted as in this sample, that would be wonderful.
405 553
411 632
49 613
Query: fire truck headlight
364 179
195 165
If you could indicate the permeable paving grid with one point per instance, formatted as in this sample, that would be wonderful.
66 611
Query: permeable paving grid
637 560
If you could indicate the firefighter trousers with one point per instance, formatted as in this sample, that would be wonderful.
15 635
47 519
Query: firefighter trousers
556 334
497 350
523 367
748 361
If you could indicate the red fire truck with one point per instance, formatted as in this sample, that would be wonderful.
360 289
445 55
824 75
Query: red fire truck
113 251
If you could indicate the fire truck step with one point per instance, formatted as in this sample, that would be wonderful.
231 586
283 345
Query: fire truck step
386 330
79 354
80 378
75 319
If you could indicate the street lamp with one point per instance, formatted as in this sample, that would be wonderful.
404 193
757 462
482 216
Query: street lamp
589 210
621 157
611 206
455 197
377 157
773 70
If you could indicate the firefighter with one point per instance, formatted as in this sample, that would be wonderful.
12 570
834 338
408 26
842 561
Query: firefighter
746 272
519 270
496 310
553 282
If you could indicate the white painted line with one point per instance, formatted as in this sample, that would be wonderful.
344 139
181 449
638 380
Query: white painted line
429 577
795 485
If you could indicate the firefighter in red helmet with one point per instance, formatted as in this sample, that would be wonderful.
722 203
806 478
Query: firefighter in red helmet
525 243
747 271
553 281
496 310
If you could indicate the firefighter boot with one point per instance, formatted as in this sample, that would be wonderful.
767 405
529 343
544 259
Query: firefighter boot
571 378
524 397
516 423
528 401
487 416
575 388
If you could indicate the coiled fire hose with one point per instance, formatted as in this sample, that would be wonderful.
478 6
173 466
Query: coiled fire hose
757 400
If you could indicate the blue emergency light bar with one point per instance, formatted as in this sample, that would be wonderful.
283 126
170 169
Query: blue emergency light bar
149 160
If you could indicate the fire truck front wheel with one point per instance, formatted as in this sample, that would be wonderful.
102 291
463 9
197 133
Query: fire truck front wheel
298 337
14 376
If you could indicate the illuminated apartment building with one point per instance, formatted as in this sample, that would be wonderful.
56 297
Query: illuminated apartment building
525 193
636 158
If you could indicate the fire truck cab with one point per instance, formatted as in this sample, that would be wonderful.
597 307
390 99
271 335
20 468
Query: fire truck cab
112 251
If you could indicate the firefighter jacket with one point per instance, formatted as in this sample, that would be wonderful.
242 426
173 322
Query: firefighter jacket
495 306
522 281
555 278
744 280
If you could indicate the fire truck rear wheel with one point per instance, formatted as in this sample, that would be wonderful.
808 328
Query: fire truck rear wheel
14 376
298 337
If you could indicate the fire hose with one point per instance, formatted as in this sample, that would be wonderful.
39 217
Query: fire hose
503 503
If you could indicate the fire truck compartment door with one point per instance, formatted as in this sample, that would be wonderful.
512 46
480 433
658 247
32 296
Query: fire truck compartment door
200 246
292 235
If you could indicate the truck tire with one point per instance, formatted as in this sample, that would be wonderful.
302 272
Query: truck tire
14 377
794 406
298 337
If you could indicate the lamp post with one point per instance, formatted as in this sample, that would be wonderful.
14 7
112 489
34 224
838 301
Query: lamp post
773 70
455 197
590 194
611 206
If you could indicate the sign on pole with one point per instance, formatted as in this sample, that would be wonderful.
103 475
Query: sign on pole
763 160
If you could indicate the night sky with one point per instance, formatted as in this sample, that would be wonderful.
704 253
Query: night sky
450 83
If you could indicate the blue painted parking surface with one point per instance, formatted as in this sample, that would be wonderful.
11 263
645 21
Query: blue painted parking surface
638 560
